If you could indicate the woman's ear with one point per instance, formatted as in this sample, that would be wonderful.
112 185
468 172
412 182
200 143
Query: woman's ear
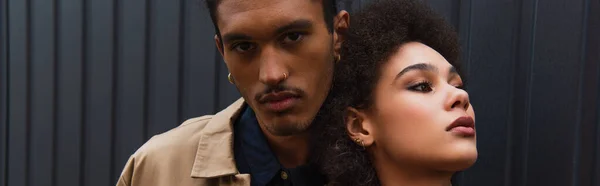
359 127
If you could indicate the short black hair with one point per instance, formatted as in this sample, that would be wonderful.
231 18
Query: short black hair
376 33
329 11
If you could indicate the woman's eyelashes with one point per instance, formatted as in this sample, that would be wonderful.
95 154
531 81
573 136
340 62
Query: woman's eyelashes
421 86
426 86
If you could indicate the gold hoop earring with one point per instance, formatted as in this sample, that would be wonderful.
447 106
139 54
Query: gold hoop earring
285 76
337 58
230 78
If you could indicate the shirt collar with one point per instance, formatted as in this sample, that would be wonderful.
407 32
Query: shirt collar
254 155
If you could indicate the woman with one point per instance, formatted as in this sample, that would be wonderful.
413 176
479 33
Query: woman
397 113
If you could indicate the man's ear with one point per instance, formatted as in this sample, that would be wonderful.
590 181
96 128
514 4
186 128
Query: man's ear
341 22
359 126
219 44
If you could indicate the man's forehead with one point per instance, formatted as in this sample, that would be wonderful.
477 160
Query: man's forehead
243 5
233 14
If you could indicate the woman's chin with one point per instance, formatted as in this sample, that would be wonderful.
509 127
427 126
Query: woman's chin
460 160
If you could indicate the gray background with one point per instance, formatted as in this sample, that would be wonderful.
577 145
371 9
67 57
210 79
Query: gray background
83 83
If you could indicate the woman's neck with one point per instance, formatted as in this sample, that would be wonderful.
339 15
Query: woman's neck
392 174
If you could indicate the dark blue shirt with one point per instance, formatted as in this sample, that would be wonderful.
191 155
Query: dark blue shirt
253 156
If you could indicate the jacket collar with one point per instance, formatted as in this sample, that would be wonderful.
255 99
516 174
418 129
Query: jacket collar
214 157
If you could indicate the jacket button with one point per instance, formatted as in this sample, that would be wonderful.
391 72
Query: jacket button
284 175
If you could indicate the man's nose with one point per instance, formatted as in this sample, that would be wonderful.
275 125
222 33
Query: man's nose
273 70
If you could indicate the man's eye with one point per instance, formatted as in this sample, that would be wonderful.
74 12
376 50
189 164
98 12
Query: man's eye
292 37
243 47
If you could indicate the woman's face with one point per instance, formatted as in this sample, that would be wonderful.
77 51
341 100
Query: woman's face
421 116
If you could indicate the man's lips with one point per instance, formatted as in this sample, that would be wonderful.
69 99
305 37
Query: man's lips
279 101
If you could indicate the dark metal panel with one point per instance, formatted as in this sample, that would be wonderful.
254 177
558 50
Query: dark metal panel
164 64
464 32
518 134
593 57
69 93
99 92
491 33
555 99
130 113
70 89
43 64
19 89
584 170
199 67
3 92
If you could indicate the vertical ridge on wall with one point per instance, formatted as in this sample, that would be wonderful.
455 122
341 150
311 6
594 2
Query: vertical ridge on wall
3 93
99 88
180 55
19 86
55 97
578 175
42 92
557 51
131 87
83 89
527 131
521 81
510 128
164 65
593 119
114 88
69 95
199 84
468 31
595 162
147 36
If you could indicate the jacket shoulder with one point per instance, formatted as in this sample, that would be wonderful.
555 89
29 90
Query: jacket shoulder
170 154
185 135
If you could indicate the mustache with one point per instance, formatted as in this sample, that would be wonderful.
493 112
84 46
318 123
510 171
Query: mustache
283 89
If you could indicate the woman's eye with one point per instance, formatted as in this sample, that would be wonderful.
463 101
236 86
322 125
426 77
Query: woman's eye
421 87
292 37
243 47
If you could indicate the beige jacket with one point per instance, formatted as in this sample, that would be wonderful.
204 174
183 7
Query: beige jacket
199 152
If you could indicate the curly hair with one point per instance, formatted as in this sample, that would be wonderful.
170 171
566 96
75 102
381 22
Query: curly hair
375 34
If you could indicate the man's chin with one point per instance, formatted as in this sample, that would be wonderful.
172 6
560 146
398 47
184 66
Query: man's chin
284 126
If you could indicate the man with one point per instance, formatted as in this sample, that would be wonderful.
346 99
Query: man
280 54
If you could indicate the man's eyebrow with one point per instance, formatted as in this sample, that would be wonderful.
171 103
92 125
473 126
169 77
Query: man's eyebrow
227 38
301 24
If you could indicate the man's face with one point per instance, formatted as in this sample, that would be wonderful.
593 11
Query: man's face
281 56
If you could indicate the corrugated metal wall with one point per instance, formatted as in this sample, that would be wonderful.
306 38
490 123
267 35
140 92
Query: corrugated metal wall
85 82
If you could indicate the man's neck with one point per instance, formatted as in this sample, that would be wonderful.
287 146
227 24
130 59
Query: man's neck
291 151
390 173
